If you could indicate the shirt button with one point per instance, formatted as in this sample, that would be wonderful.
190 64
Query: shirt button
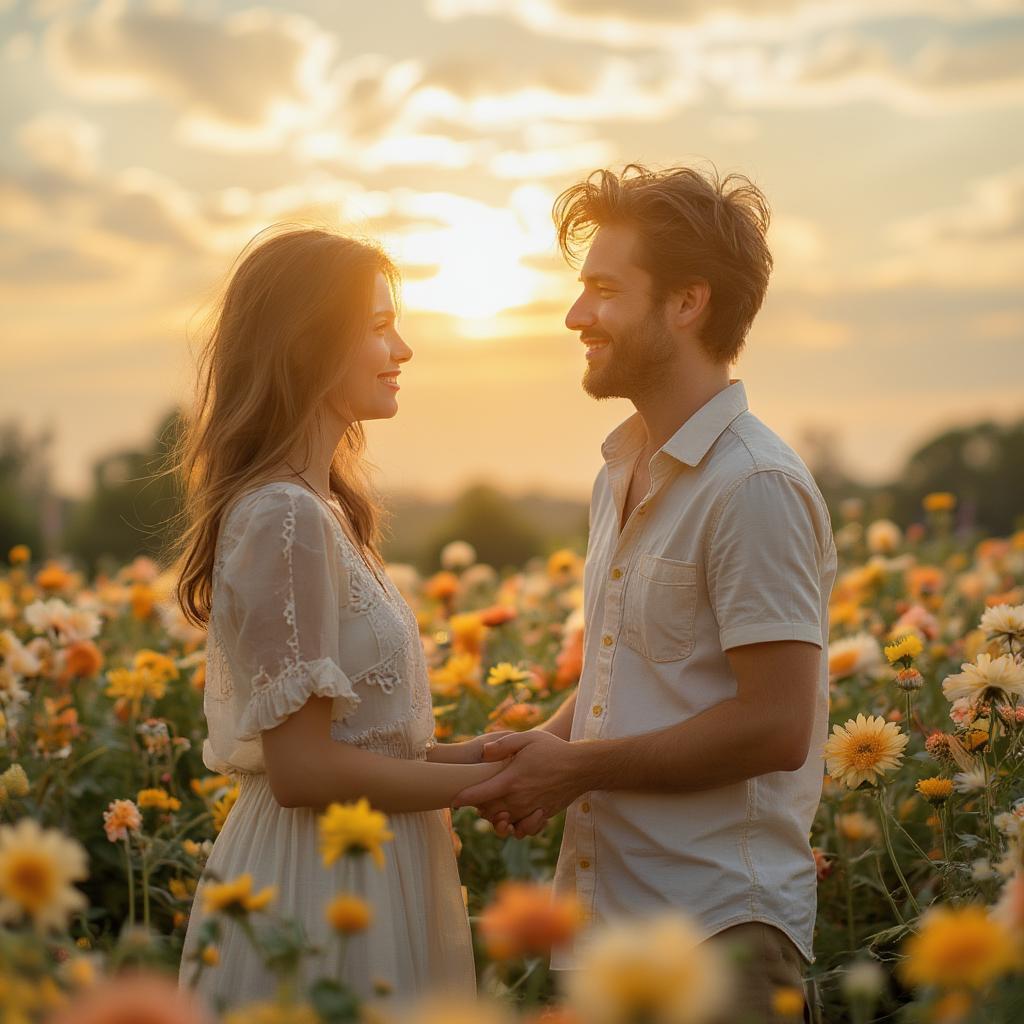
607 640
585 807
616 574
584 864
597 709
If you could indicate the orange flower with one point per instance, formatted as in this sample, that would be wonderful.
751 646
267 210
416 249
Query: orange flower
143 601
497 615
519 717
82 660
527 920
53 577
140 998
924 580
442 586
569 661
939 501
19 553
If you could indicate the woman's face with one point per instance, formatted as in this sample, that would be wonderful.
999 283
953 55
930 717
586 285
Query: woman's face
371 378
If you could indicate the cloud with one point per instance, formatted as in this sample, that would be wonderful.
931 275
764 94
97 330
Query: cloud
977 244
242 81
60 142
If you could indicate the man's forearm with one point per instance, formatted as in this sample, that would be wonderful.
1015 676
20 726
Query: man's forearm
727 743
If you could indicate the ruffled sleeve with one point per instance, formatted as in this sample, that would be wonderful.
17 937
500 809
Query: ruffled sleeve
281 582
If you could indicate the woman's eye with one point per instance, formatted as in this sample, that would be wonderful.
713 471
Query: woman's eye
381 328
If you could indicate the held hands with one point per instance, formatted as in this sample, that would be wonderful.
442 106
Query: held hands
541 780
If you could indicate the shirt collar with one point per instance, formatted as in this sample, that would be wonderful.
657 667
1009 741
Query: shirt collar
692 441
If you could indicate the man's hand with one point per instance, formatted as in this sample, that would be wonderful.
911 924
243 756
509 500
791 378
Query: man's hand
542 779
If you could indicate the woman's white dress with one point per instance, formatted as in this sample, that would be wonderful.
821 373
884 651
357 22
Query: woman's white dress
297 612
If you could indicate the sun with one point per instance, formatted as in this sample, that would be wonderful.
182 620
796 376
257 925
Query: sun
478 251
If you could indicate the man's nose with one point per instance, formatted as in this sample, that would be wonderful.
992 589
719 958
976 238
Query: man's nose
579 316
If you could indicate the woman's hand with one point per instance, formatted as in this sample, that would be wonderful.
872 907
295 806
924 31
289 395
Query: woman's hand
466 752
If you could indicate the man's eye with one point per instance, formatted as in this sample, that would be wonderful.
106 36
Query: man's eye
605 293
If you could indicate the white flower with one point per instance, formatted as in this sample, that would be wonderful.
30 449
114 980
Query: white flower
1005 624
853 654
479 575
962 711
987 677
981 869
863 980
12 693
72 624
17 657
883 537
972 781
44 615
457 555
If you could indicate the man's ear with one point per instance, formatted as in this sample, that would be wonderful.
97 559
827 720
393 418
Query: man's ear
688 304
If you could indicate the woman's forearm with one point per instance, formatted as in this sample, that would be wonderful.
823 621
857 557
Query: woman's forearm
394 785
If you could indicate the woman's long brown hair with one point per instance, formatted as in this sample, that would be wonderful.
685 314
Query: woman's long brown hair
295 307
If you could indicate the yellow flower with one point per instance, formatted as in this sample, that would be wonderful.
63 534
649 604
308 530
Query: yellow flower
906 647
222 807
505 672
356 827
15 781
37 867
349 914
857 827
209 784
157 665
935 790
158 798
461 672
957 948
939 501
274 1012
863 750
656 970
788 1002
563 565
132 685
468 632
236 896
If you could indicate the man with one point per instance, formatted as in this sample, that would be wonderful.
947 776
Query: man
690 756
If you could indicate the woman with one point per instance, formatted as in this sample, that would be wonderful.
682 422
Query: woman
316 686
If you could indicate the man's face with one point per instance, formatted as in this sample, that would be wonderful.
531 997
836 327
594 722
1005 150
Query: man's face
625 331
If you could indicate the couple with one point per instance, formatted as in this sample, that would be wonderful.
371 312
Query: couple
688 760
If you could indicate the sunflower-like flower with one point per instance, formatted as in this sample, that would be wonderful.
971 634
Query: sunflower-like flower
356 827
959 948
236 896
863 750
935 790
656 970
37 867
904 649
987 678
222 807
506 672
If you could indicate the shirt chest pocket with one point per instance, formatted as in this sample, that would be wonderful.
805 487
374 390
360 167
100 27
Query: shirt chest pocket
660 609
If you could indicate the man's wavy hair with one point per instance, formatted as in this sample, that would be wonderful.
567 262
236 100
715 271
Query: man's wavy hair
691 226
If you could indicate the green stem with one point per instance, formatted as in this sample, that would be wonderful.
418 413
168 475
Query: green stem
884 816
145 890
131 880
888 895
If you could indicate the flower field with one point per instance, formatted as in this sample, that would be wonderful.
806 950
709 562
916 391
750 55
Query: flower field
107 814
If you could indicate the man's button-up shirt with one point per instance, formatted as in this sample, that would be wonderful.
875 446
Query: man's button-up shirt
732 545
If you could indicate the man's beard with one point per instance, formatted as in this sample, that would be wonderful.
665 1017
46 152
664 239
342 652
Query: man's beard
634 361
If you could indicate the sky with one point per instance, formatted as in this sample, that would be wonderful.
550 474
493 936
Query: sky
144 143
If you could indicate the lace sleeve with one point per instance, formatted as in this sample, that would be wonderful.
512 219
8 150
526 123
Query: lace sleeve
283 580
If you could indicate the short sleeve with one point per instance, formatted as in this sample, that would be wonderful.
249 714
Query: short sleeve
282 581
764 561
